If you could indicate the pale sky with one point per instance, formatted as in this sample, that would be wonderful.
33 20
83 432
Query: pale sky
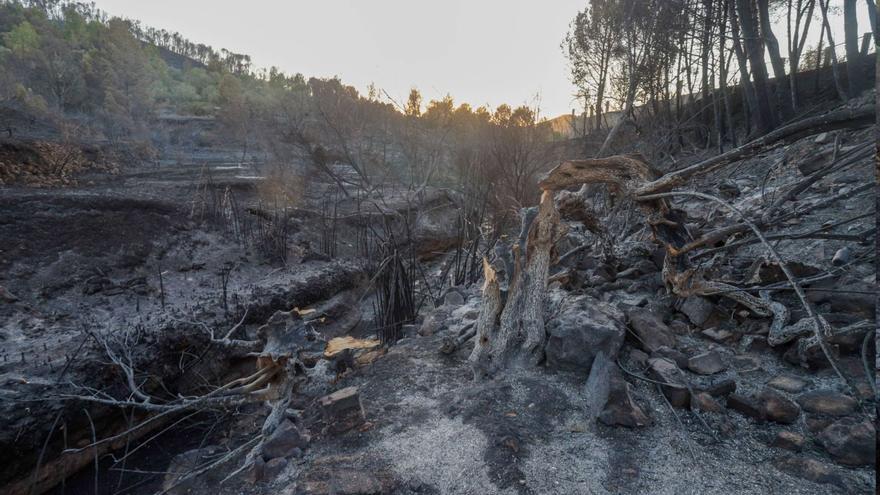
479 51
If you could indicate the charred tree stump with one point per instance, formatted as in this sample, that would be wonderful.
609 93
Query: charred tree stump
510 331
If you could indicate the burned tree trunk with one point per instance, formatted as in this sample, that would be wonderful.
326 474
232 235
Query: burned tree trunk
510 331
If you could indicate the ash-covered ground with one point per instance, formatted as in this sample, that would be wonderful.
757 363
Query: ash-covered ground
135 255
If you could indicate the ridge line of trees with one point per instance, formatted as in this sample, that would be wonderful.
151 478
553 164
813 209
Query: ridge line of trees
664 54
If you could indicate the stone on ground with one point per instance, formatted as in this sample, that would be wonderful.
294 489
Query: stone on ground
707 363
621 409
808 469
789 440
788 383
342 410
850 441
283 440
827 402
649 329
698 310
666 371
745 405
778 408
581 328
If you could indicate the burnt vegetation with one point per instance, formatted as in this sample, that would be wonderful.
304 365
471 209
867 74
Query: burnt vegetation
218 278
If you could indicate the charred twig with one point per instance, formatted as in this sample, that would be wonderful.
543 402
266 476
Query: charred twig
811 234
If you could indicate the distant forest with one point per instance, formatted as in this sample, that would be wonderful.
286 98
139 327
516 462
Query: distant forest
685 74
111 78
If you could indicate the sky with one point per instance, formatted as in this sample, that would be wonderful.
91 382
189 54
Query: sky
483 52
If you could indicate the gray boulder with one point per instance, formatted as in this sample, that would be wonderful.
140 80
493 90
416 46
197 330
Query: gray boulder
580 327
850 441
283 441
698 310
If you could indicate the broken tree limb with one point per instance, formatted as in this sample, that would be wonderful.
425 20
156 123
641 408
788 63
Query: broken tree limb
452 344
840 119
820 233
725 232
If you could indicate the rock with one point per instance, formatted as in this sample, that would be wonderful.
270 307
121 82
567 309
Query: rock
649 329
705 402
679 327
621 409
808 469
658 256
789 440
778 408
808 353
707 363
283 440
285 331
850 441
583 326
437 226
723 388
842 257
817 424
729 189
718 335
639 357
470 314
821 138
814 161
676 356
788 383
697 309
6 296
96 284
827 402
745 405
274 468
665 370
641 267
745 364
257 472
598 386
754 344
434 322
585 262
605 272
409 330
342 410
768 271
453 298
861 302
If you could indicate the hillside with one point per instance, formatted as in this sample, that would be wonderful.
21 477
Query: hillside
217 279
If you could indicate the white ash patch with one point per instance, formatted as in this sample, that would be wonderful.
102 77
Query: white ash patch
444 453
